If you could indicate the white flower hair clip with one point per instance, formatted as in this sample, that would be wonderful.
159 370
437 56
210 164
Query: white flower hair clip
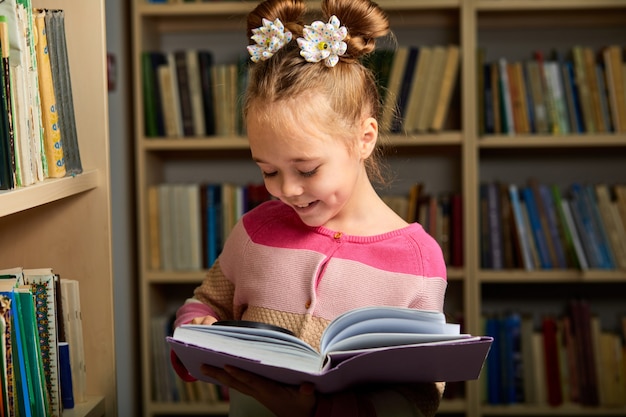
323 41
269 39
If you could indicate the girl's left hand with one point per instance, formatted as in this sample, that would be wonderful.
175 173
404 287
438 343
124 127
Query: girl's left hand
283 400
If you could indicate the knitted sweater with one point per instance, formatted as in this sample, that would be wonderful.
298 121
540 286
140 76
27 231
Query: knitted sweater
276 269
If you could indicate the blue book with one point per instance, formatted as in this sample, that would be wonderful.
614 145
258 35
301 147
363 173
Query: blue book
520 226
571 95
553 224
214 222
537 230
577 109
512 372
608 260
494 362
65 376
405 89
581 212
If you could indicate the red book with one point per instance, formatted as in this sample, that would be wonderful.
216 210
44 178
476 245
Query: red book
551 352
581 327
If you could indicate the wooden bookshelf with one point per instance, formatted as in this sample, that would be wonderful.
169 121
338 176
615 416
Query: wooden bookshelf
65 223
456 159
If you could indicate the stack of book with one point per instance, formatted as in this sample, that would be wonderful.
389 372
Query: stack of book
569 358
190 222
42 357
38 137
187 95
417 84
536 226
581 92
440 214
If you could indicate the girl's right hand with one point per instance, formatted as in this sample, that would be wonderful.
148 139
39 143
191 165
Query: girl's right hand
204 320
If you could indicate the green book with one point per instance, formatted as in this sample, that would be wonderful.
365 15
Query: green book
7 164
29 354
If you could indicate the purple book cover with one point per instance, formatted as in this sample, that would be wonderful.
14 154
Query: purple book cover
453 360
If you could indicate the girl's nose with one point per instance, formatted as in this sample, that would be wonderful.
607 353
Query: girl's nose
290 187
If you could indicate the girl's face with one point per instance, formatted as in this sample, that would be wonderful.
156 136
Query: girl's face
309 169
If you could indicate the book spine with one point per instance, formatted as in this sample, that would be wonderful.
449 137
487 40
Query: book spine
608 260
581 256
553 224
405 88
582 218
50 118
205 59
448 83
67 394
55 28
551 352
606 119
505 95
495 226
195 90
149 92
487 92
536 228
538 102
521 228
7 140
184 94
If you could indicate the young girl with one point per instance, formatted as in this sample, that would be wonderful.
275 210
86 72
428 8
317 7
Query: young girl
328 243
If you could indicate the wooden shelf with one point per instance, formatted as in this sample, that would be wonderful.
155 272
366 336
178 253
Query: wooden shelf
534 5
91 407
21 199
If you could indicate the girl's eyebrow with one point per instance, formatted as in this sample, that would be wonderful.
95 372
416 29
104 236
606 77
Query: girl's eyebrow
295 160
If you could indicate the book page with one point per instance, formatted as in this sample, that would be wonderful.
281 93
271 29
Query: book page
369 341
252 334
250 344
367 316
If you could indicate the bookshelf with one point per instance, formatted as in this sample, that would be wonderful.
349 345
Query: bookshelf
457 159
65 223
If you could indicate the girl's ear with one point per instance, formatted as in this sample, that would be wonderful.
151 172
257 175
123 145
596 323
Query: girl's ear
369 136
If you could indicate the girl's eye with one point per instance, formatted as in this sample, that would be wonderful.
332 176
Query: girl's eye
268 174
308 173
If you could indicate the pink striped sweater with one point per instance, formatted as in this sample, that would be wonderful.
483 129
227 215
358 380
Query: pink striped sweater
277 270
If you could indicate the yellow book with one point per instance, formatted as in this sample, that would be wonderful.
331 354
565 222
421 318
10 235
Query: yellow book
448 82
592 79
49 115
616 86
520 82
584 90
415 106
433 86
153 228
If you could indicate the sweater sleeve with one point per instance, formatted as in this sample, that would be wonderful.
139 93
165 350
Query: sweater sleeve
216 293
411 400
201 304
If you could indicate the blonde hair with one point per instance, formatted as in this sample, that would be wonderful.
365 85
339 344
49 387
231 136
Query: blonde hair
349 86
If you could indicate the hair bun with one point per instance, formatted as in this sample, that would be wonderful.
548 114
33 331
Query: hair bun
290 13
365 21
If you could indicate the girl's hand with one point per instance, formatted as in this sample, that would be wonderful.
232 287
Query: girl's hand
283 400
204 320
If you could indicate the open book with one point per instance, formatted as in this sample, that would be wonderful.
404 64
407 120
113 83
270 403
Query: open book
365 345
